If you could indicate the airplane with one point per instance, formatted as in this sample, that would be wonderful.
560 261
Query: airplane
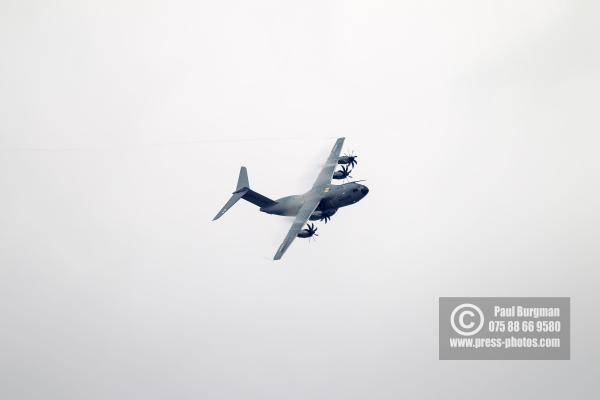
319 203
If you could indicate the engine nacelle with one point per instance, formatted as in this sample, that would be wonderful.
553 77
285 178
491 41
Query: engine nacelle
305 233
348 159
308 232
323 214
342 173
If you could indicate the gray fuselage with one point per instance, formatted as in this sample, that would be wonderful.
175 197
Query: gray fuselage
333 197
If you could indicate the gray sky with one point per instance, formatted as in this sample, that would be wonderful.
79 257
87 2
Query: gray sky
123 127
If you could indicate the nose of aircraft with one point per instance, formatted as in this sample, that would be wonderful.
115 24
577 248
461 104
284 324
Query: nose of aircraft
364 190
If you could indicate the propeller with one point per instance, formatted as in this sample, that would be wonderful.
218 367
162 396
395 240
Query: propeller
352 159
308 232
314 234
346 170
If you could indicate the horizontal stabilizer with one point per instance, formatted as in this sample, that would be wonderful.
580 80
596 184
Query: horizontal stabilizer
238 194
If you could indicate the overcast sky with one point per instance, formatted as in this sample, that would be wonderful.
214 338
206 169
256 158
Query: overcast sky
124 124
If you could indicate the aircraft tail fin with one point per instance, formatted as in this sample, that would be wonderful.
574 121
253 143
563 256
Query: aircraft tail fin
243 191
243 179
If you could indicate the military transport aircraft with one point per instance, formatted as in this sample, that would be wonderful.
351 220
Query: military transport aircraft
319 203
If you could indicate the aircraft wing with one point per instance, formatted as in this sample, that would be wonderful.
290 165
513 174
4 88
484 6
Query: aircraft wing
305 212
313 199
326 173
